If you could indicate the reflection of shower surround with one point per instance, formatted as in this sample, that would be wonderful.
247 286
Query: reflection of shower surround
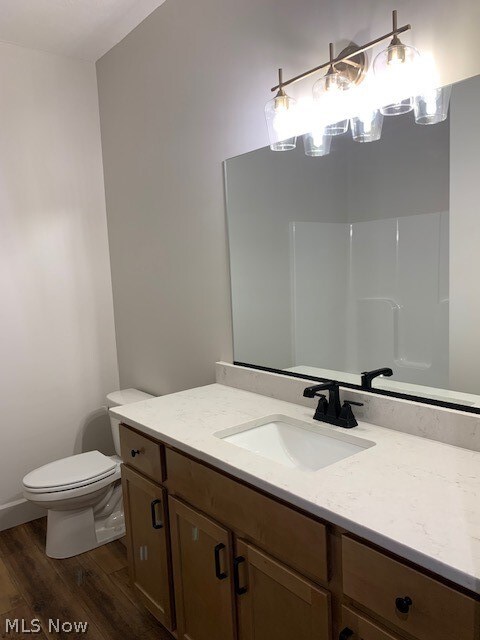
386 303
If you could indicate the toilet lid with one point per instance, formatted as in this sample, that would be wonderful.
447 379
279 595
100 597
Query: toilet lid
71 472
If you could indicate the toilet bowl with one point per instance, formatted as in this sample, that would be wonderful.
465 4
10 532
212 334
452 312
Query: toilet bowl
82 493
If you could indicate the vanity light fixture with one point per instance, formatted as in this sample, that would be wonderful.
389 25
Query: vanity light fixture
396 81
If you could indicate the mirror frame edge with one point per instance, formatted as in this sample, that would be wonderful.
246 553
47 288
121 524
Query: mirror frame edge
356 387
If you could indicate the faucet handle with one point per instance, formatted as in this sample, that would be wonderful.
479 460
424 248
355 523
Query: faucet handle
346 413
322 406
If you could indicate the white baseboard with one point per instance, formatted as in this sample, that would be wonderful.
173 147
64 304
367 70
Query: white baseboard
18 512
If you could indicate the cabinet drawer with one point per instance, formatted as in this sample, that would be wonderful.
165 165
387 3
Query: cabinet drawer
357 627
382 585
298 540
142 454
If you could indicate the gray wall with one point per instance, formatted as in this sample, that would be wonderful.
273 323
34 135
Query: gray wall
266 192
403 174
465 238
178 95
406 173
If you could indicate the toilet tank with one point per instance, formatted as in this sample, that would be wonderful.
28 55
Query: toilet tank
117 399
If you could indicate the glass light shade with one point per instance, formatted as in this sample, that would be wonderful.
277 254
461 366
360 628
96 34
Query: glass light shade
367 127
327 94
280 117
397 108
337 128
432 106
316 144
396 67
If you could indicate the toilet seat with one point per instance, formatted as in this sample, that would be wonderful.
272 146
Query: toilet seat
69 473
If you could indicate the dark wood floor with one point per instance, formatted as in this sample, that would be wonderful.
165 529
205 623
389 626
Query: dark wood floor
92 587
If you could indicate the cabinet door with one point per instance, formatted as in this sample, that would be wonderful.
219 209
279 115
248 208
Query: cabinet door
148 544
275 603
202 560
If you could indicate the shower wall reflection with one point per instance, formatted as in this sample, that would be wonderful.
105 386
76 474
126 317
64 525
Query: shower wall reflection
387 303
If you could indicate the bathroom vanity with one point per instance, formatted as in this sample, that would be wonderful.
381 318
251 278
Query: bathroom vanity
381 543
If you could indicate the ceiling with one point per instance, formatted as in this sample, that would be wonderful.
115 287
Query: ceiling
83 29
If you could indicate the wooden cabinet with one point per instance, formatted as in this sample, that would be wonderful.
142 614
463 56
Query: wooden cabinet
241 565
148 545
419 605
275 603
290 536
202 571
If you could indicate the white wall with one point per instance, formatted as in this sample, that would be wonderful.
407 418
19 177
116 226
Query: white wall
178 95
57 340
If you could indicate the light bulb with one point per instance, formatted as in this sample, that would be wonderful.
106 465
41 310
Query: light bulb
396 68
335 82
281 123
280 117
366 118
328 98
396 54
430 103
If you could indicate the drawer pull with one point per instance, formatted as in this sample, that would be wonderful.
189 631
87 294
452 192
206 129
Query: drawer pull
403 604
135 452
345 634
236 577
155 523
221 575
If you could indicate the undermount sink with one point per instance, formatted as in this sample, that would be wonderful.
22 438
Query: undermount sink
294 443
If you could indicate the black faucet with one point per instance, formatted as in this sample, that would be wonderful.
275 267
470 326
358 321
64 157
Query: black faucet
368 376
331 410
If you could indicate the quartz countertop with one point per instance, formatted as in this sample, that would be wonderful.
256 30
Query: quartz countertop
417 498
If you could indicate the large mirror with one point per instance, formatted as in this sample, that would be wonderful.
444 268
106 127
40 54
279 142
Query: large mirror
367 257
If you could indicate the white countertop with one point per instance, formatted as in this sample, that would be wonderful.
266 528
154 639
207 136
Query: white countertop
414 497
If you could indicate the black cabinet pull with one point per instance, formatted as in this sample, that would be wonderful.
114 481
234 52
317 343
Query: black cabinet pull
345 634
221 575
403 604
155 524
134 452
236 577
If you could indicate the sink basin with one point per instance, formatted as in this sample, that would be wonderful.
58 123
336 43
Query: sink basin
294 443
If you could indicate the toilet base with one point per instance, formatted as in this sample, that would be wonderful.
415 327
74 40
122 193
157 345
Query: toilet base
70 533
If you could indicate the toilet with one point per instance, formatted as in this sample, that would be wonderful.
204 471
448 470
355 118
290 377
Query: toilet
83 493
